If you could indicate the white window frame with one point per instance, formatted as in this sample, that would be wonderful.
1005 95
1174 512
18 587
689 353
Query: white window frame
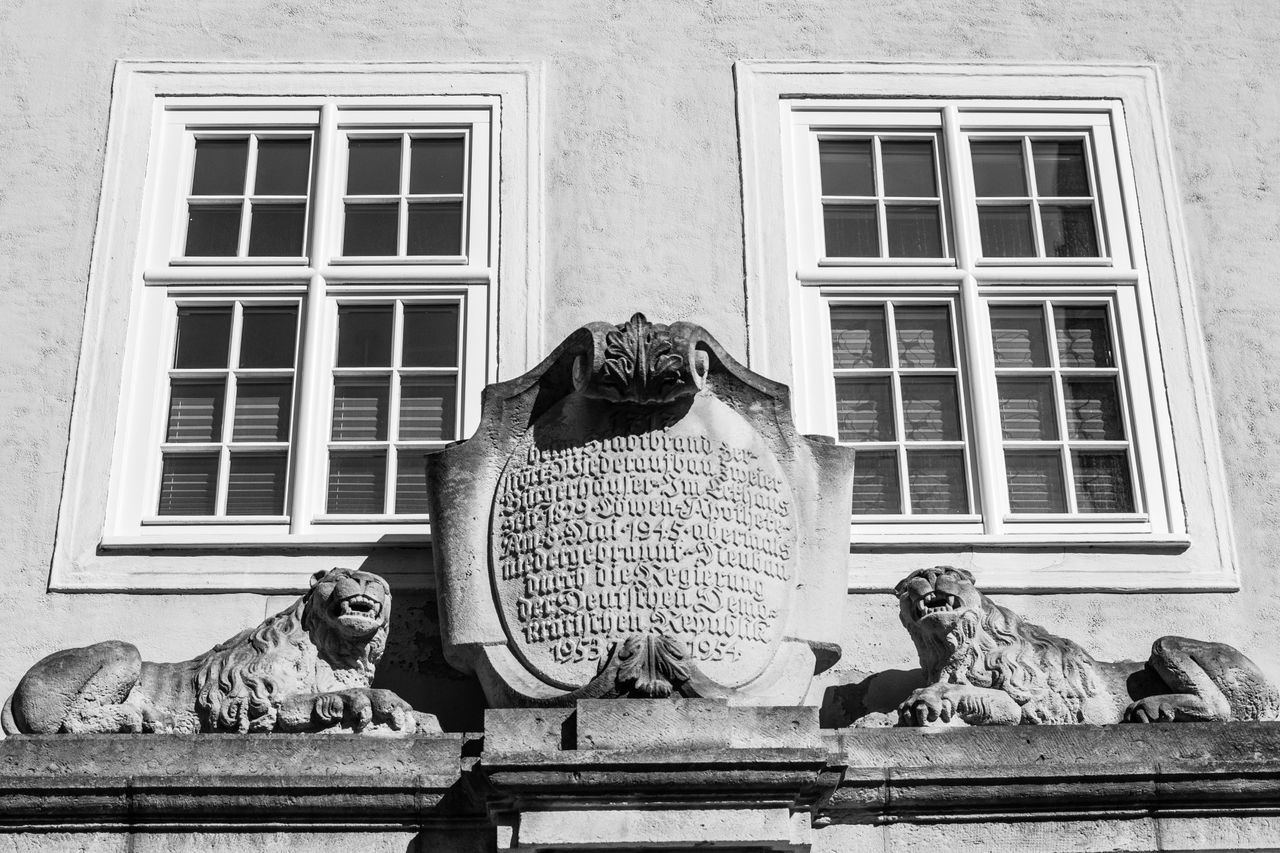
108 534
1180 536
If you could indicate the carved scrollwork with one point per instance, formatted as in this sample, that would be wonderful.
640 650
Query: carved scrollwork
650 666
642 362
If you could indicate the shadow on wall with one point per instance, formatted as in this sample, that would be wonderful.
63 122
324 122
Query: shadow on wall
880 692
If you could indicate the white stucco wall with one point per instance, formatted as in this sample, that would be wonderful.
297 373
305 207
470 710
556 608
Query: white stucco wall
642 212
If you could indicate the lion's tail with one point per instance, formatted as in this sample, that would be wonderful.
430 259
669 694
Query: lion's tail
6 718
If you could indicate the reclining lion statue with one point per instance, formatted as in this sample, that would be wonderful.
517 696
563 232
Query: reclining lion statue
984 665
308 668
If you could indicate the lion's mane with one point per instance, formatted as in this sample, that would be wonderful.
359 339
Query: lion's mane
1051 677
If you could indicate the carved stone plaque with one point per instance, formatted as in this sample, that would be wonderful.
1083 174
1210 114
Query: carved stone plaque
637 516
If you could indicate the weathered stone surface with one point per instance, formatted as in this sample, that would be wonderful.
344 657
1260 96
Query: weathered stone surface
637 516
985 665
307 668
741 829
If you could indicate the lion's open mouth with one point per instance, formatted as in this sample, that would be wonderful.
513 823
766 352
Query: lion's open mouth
936 602
360 607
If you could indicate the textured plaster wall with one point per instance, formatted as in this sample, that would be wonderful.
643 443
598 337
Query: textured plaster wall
642 212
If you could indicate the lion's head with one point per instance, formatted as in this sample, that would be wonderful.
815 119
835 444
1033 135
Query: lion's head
962 636
342 620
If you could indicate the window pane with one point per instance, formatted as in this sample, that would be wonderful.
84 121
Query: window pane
364 336
875 483
204 335
373 166
998 169
428 408
263 411
188 485
1035 482
1069 231
930 409
357 482
924 335
915 231
195 411
213 231
1018 336
268 336
436 164
277 230
219 168
908 168
1060 168
360 409
284 165
864 409
1093 410
851 231
435 229
430 336
858 336
255 484
1006 231
371 229
936 479
1102 482
411 483
1084 336
1027 409
845 165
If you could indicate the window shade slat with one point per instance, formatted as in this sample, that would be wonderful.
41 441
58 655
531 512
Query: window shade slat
188 485
937 481
357 483
256 484
262 411
876 488
195 411
360 409
427 409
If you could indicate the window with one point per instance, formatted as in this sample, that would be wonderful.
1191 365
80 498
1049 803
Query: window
319 286
968 271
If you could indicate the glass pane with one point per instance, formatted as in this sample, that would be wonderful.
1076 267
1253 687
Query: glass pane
430 336
1035 482
845 165
189 485
213 231
263 411
1093 409
268 336
204 335
364 336
1018 336
915 231
277 230
1006 231
998 169
371 229
436 164
858 336
1027 409
284 165
435 229
1069 231
360 409
357 482
219 168
930 409
428 408
936 479
924 335
1084 336
1060 168
411 483
373 166
875 483
255 484
1102 482
851 231
908 168
195 411
864 409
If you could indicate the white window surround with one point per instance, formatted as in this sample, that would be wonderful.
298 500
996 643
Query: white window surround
100 542
1186 543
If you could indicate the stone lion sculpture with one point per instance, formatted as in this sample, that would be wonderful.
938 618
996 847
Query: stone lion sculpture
307 668
984 665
